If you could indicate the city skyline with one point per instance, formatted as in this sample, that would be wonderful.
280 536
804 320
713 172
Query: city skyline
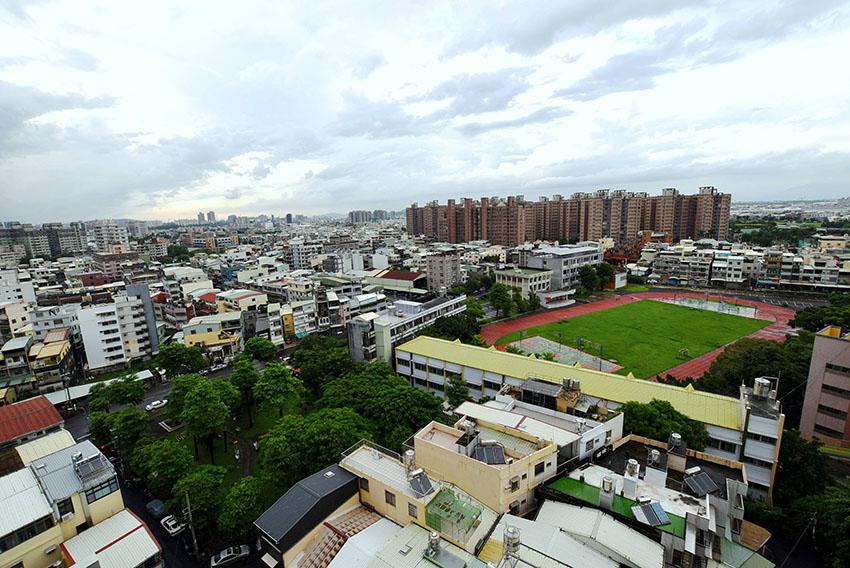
161 111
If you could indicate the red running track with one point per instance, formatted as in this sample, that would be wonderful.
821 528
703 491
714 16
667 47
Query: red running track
694 368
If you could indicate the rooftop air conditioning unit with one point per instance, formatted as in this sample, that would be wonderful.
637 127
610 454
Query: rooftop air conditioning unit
50 549
67 516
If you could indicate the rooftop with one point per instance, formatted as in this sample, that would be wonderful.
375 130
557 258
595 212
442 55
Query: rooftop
15 344
119 541
705 407
21 501
62 476
370 460
44 446
407 548
522 271
520 421
26 417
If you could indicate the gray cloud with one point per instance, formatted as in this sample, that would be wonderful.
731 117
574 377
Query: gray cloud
543 115
485 92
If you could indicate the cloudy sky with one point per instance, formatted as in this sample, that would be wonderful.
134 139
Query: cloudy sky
159 109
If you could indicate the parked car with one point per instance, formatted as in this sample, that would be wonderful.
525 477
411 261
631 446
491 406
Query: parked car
156 508
156 404
229 556
172 526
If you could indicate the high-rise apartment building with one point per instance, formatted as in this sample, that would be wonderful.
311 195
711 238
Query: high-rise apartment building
201 218
106 233
210 216
827 402
443 270
618 214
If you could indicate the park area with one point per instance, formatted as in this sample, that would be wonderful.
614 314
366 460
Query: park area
644 337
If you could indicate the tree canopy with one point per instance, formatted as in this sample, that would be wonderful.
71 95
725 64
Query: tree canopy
500 298
276 387
588 277
177 359
204 413
802 469
319 359
457 391
658 419
260 348
463 326
299 446
162 463
204 486
393 407
241 506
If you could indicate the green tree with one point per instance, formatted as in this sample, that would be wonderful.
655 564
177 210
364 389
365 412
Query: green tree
99 398
472 284
831 510
457 391
177 359
589 278
321 359
178 252
547 356
162 463
748 358
129 427
802 469
533 301
658 419
205 487
463 326
299 446
100 428
474 307
228 394
204 414
393 407
241 506
126 390
519 301
514 349
260 348
245 376
605 272
277 386
180 387
500 298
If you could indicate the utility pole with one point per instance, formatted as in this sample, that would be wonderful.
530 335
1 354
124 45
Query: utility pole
192 526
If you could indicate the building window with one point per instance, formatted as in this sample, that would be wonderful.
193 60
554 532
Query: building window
761 438
419 366
412 510
492 386
364 484
838 369
589 445
25 533
838 391
539 468
723 445
826 410
514 484
389 498
736 525
404 363
102 490
757 462
65 506
828 431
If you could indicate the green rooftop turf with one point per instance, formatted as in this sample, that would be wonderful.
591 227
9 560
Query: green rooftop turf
445 506
621 505
646 337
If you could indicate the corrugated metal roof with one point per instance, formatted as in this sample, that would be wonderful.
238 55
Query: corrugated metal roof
121 540
550 541
21 501
359 549
405 549
44 446
16 343
58 476
27 416
705 407
608 534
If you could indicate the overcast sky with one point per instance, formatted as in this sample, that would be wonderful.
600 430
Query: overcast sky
160 109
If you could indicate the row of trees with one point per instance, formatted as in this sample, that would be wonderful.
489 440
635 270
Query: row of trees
507 300
204 406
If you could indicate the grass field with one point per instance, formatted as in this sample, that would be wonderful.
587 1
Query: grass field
645 337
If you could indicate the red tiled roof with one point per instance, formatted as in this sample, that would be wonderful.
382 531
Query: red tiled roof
27 416
160 297
401 275
208 297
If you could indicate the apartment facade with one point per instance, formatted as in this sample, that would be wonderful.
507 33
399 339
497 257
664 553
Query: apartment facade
827 402
443 270
618 214
374 335
115 334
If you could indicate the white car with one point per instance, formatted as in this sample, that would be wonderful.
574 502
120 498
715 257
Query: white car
172 526
156 404
229 556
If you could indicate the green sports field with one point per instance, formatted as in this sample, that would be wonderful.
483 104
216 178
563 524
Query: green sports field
646 337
